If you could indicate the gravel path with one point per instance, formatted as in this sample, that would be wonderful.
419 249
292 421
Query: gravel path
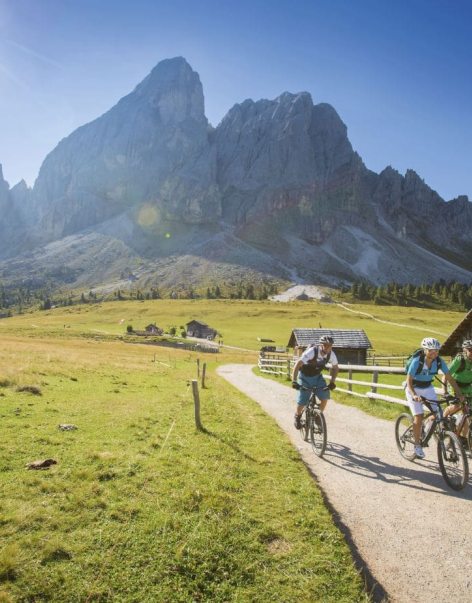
411 531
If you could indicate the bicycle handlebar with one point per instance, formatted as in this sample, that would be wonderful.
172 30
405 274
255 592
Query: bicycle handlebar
314 389
440 401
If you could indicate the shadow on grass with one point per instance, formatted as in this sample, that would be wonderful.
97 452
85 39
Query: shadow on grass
233 447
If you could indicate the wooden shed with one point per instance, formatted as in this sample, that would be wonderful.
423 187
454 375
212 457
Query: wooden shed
453 344
196 328
152 329
350 346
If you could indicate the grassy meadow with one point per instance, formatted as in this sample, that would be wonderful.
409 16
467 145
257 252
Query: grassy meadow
140 506
240 322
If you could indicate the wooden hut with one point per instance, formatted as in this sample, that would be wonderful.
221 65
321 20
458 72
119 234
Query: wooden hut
152 329
453 344
350 346
199 329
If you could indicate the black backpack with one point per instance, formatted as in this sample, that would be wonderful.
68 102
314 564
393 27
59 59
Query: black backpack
311 368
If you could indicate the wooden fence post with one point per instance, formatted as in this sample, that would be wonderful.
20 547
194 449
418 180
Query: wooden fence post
203 375
289 372
350 377
196 402
375 379
198 368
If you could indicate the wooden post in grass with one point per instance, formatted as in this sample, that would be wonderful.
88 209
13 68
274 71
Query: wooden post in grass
375 379
198 368
350 377
288 369
196 401
203 375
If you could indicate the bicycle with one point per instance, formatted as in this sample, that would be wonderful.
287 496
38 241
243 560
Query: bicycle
451 456
313 423
458 427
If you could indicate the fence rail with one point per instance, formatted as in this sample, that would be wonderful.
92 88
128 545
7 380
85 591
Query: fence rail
277 364
387 360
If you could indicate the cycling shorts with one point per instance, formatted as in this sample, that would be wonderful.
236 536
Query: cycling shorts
417 408
303 396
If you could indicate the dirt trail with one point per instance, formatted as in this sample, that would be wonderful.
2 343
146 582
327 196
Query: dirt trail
412 532
389 322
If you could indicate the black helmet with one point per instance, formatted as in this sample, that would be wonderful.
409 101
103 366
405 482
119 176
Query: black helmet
326 339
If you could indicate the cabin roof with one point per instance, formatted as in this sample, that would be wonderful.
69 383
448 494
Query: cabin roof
343 338
460 332
197 322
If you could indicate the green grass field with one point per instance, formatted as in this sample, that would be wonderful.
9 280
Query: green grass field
239 322
140 506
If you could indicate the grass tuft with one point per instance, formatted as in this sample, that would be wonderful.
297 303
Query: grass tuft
9 562
31 389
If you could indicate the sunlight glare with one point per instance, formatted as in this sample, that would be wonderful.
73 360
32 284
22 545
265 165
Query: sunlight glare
148 216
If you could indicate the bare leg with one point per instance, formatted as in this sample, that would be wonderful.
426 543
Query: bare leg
323 404
417 422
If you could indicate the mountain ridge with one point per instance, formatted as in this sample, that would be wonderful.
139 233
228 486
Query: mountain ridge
277 180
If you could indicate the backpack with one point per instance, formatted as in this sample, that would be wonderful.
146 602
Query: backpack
461 366
312 368
420 353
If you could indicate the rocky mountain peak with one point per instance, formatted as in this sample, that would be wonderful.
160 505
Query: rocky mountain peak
4 186
174 90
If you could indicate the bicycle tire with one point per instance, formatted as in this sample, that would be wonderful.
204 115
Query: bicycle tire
469 438
404 436
453 461
318 432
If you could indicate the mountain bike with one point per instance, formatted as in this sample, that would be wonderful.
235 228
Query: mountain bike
451 456
313 423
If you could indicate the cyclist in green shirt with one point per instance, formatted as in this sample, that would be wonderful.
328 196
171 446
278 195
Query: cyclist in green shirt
461 369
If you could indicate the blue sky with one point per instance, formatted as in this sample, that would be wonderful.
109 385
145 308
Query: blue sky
397 71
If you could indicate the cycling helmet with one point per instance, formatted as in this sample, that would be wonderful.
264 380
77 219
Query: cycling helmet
467 344
429 343
326 339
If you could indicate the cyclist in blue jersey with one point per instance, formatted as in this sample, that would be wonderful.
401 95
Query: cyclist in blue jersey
419 383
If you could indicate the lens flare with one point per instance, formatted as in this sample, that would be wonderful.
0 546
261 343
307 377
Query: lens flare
148 216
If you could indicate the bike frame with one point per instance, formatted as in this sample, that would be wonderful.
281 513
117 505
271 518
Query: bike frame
313 402
466 411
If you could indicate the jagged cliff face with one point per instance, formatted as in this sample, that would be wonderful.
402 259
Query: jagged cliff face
417 214
287 166
151 148
275 188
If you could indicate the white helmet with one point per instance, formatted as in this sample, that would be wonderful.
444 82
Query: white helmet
429 343
467 344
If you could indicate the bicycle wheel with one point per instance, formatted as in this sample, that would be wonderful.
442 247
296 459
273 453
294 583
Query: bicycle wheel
318 432
452 461
404 436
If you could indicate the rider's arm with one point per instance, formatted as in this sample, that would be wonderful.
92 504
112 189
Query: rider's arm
450 379
333 371
410 388
296 368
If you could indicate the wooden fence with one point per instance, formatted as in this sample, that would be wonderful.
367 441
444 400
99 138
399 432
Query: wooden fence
373 359
282 364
